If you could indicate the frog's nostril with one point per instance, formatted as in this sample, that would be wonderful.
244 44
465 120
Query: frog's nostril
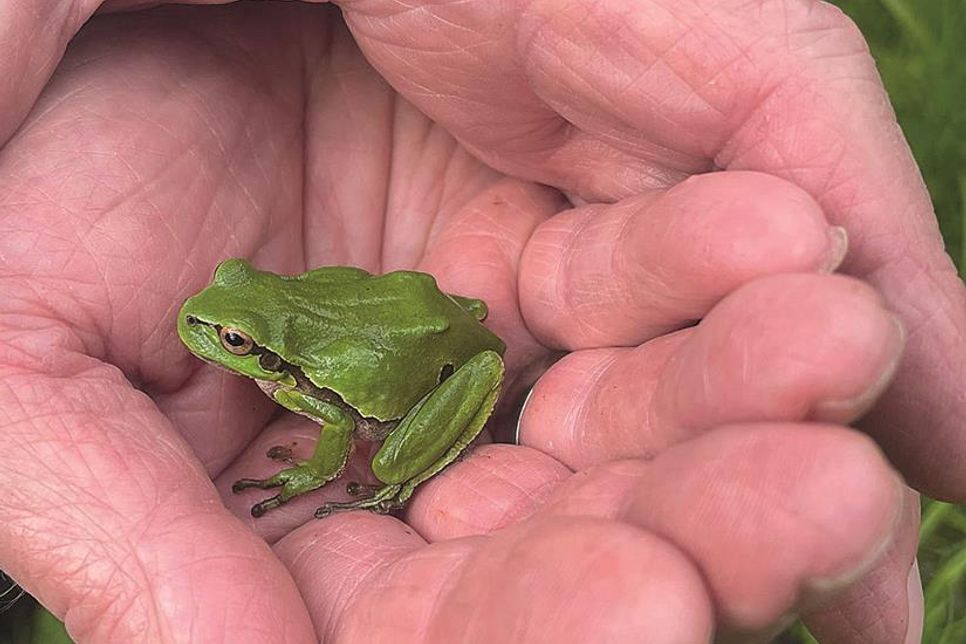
191 320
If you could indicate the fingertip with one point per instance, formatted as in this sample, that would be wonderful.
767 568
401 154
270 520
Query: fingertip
331 559
619 274
853 406
801 346
866 519
882 603
726 228
778 512
553 412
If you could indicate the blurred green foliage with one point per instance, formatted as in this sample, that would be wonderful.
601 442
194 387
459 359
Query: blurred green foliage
942 563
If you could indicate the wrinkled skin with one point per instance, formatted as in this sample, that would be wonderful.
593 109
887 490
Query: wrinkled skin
168 140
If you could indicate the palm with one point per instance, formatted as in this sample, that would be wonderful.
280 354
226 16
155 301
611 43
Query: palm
217 153
231 164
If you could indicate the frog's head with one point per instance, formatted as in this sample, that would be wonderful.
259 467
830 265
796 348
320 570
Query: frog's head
226 324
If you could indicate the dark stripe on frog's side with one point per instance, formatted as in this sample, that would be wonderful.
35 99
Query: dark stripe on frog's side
368 429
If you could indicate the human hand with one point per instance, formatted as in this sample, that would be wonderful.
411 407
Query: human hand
260 216
609 99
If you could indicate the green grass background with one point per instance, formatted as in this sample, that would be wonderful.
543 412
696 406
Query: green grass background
918 45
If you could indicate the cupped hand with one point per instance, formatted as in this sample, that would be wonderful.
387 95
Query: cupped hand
167 141
610 98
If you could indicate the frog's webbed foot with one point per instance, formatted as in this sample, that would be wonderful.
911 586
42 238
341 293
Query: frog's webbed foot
382 500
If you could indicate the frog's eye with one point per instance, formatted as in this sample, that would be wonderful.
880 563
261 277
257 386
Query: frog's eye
235 341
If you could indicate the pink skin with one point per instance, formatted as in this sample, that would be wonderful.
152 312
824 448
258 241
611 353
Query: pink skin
163 143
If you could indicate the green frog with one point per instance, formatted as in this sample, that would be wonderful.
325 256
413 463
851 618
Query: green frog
388 358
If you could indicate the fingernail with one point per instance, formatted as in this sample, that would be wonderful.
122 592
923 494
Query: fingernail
523 410
915 605
837 249
848 408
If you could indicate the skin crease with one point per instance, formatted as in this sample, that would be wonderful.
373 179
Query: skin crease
282 144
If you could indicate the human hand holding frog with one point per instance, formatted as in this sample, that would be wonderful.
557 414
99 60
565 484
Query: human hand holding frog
158 150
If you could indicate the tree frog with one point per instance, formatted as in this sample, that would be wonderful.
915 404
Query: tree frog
388 358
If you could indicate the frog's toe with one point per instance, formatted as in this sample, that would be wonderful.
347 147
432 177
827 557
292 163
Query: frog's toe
260 508
296 479
284 477
262 484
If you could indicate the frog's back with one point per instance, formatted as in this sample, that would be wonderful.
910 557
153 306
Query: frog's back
380 342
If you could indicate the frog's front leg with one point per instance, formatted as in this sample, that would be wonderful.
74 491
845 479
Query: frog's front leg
432 435
327 462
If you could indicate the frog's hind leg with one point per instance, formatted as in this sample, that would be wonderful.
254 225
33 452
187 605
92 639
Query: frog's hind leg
383 500
432 435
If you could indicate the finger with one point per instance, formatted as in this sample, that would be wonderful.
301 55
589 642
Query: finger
777 516
475 250
608 99
786 347
624 273
774 515
109 520
885 605
513 125
369 579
